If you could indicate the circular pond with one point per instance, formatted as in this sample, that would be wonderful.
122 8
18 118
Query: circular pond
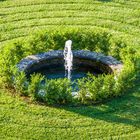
51 64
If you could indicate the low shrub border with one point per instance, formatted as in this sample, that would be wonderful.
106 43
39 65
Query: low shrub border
103 87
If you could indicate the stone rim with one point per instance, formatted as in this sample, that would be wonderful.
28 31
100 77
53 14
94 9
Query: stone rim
108 62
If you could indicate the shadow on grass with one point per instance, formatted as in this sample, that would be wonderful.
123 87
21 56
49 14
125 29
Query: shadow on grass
105 0
124 109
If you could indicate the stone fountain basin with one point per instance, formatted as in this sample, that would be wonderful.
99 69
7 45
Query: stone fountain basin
98 61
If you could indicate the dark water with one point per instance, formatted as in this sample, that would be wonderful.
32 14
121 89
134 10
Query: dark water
59 72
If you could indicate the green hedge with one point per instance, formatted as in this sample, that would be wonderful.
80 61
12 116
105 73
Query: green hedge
95 89
100 88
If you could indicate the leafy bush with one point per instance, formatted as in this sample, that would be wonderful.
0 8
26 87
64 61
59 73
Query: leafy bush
35 84
20 82
125 79
9 57
58 91
96 89
54 40
116 48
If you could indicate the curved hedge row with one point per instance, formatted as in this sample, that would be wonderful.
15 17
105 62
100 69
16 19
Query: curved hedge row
103 87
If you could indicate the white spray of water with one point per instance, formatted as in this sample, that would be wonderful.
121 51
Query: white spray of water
68 57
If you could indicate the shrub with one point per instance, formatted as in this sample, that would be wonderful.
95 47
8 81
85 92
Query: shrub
95 89
35 84
9 57
116 48
20 82
57 91
54 40
125 79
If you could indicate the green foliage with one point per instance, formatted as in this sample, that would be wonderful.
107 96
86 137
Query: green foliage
43 41
10 56
54 40
125 79
56 91
35 84
129 54
20 82
96 89
116 48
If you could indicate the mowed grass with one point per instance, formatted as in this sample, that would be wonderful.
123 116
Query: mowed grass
116 119
20 18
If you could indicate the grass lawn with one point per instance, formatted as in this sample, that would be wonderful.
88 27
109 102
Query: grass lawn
118 118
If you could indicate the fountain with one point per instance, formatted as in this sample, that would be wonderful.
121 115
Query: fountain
73 64
68 57
67 63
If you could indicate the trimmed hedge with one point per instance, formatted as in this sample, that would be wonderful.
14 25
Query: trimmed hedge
95 89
